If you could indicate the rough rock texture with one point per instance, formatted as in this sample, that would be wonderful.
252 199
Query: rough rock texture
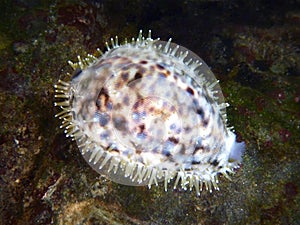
253 48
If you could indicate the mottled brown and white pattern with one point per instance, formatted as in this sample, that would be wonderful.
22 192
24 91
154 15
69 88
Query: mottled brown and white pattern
149 111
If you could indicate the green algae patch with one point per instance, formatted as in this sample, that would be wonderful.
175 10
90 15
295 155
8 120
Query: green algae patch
5 42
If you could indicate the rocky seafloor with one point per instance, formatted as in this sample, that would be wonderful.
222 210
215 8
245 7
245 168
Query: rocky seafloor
252 47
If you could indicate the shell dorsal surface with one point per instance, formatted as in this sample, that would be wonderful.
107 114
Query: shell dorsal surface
149 111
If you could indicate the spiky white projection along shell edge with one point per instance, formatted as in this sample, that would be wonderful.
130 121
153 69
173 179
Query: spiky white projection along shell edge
148 111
